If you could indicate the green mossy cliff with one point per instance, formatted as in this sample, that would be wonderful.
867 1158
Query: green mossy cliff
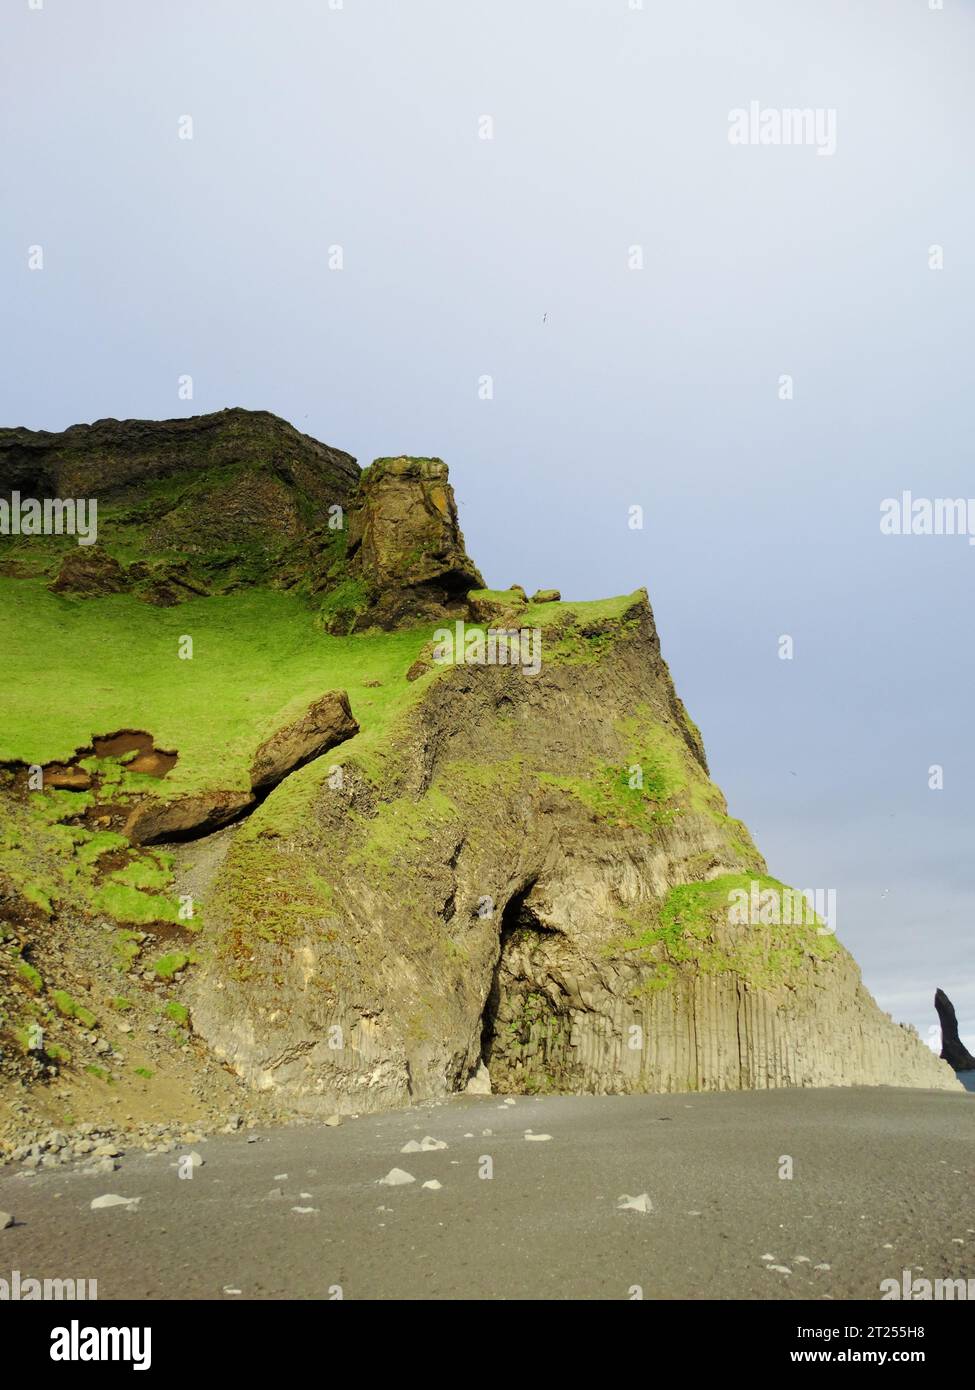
429 866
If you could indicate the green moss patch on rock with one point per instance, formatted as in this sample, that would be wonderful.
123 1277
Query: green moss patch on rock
30 976
171 964
70 1008
694 928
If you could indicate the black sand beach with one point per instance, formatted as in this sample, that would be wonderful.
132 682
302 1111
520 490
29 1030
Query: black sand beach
881 1182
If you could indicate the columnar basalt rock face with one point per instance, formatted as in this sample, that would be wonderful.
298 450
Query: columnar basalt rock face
554 1030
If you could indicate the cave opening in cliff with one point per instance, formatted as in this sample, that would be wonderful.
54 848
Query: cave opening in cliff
505 1005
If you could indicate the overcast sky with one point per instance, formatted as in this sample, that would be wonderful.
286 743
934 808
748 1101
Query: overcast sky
361 127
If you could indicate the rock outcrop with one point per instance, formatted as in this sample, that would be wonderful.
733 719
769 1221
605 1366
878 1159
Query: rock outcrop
324 724
405 546
209 503
953 1050
503 897
237 499
513 872
87 572
154 821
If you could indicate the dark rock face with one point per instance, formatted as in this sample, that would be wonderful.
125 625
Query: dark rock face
953 1050
110 457
405 544
208 504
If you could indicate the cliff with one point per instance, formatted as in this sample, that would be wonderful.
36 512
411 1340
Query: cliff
352 865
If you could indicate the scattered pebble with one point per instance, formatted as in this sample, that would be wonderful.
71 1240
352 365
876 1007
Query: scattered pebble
538 1138
100 1166
779 1269
433 1185
333 1121
428 1144
6 1220
304 1211
628 1203
111 1199
396 1178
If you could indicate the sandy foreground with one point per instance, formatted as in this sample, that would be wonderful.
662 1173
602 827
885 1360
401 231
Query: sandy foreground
881 1181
